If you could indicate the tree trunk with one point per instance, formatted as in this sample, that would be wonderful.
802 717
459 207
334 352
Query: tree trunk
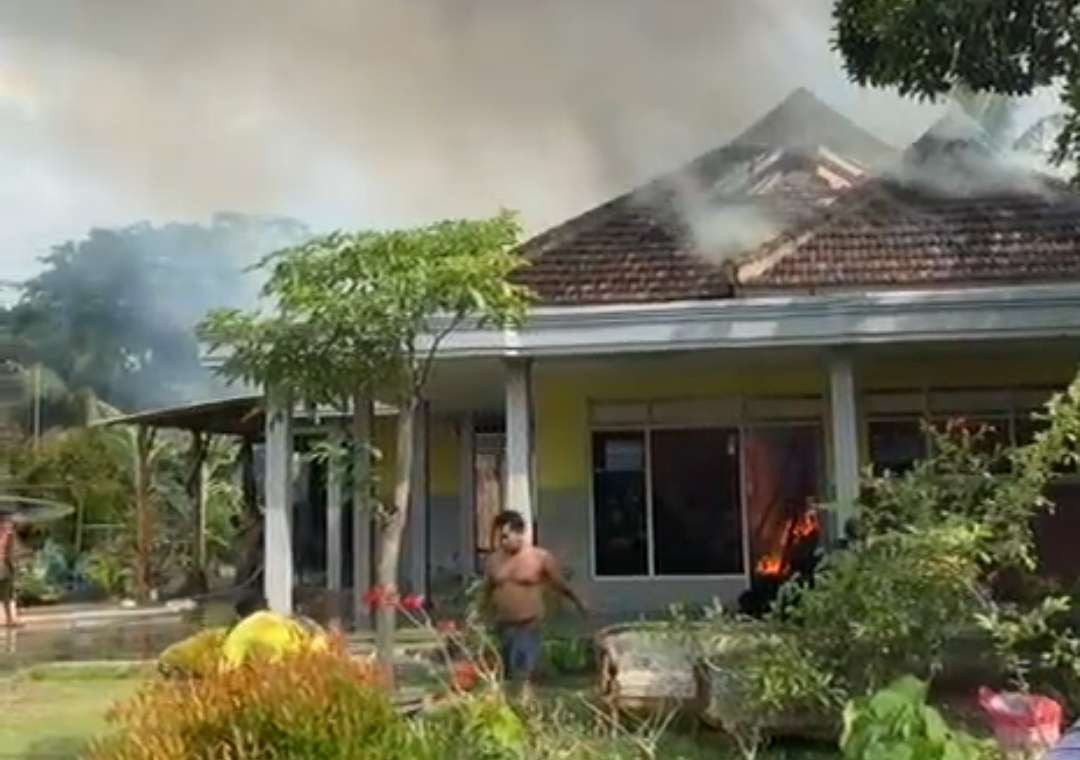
391 531
362 501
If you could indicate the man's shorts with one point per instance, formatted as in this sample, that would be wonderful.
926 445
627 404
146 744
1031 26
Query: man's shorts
521 645
7 588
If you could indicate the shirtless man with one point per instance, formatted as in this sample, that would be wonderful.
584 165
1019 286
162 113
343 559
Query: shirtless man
517 575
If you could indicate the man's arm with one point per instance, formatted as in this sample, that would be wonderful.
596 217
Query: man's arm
555 578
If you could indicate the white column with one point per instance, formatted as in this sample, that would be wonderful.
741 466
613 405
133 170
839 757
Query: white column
278 572
334 498
845 434
467 496
418 506
363 434
519 491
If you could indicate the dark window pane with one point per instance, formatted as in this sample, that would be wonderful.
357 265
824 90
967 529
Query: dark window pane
619 504
696 507
1056 532
992 433
896 445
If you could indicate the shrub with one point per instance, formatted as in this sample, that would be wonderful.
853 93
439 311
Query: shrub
896 722
762 682
314 704
888 605
108 568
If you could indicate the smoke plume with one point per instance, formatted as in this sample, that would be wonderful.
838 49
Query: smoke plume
375 113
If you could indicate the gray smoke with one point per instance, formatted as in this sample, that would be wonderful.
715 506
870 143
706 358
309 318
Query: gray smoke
376 113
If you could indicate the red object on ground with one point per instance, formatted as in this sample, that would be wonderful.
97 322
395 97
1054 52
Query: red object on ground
465 676
1022 721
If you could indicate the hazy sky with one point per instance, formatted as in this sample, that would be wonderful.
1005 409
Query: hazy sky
383 112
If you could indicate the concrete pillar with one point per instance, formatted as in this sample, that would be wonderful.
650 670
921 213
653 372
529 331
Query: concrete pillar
363 435
845 434
519 490
417 570
335 488
467 496
278 574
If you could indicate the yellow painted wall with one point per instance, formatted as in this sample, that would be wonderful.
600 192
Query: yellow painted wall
562 393
443 456
561 399
993 371
442 451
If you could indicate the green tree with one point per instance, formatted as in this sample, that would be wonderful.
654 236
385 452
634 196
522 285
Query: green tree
927 48
115 312
358 315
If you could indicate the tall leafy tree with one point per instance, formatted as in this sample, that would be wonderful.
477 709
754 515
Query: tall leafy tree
115 312
927 48
355 315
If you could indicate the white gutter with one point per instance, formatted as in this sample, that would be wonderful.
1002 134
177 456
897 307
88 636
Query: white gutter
1017 312
990 313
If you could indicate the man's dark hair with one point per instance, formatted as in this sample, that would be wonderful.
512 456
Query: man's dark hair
511 519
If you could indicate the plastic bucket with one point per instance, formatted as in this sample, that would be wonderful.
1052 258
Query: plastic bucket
1022 722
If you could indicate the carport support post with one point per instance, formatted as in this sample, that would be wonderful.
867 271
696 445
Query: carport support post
334 493
278 574
845 435
519 490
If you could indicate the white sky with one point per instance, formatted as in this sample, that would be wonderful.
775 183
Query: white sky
378 112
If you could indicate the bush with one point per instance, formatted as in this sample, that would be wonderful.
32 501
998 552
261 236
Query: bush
308 705
108 568
43 578
896 722
888 605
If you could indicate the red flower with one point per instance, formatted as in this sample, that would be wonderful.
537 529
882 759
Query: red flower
375 597
412 603
464 676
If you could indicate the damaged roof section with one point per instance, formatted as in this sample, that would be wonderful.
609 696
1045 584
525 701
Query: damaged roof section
954 211
805 200
672 239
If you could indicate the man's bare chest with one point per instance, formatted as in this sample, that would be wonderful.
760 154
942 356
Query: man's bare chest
524 571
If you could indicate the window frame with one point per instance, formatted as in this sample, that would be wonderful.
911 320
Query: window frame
636 416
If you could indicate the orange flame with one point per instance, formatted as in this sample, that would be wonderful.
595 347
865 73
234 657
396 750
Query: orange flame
772 566
775 564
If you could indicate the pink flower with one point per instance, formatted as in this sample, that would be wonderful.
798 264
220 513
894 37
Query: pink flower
412 603
375 597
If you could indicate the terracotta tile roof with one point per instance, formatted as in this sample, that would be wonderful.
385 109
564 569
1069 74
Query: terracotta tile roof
889 234
663 242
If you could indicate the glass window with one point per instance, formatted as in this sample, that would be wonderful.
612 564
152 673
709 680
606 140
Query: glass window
619 516
785 467
696 502
896 445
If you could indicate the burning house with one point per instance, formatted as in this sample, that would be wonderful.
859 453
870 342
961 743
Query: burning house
716 355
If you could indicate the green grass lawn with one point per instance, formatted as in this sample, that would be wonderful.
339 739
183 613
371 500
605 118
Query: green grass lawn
54 719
